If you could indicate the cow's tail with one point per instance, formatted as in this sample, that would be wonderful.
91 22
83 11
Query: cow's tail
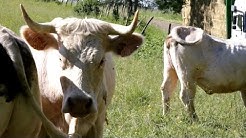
169 28
48 125
166 42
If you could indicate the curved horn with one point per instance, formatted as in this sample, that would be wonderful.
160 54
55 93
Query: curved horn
41 28
124 30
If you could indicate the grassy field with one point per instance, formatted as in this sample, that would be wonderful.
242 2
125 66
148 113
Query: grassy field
136 107
10 14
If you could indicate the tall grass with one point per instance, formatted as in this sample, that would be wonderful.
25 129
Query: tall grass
136 109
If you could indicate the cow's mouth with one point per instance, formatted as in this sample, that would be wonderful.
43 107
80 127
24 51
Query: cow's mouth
79 114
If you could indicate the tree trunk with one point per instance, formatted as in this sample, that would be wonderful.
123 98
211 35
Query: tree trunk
135 5
123 9
129 8
108 9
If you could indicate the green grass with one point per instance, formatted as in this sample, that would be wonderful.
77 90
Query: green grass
10 13
136 109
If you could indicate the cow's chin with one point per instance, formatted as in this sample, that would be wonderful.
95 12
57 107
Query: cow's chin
80 115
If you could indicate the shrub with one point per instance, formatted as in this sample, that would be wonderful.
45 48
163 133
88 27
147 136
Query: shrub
87 7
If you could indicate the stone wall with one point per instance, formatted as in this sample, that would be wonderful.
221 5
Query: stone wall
209 15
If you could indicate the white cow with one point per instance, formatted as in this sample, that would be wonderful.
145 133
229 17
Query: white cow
196 58
76 70
20 111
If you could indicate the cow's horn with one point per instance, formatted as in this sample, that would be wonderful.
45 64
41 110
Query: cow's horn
41 28
124 30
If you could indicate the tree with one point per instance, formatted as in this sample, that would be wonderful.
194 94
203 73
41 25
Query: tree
148 4
135 5
170 5
88 7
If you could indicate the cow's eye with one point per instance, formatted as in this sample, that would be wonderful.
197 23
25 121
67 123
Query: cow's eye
63 63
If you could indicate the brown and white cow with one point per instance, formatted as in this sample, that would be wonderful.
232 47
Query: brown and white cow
20 111
76 70
196 58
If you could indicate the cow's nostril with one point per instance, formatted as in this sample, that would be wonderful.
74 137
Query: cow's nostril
88 103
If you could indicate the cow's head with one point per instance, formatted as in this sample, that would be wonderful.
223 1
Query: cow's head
82 44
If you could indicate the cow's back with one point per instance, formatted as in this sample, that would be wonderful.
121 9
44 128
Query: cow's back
223 65
16 115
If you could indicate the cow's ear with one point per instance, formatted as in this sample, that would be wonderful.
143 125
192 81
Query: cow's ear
125 45
39 41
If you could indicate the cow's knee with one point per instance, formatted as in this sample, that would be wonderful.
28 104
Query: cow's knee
165 98
187 96
184 97
189 105
165 101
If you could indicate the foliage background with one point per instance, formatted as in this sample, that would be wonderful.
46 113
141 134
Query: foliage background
169 5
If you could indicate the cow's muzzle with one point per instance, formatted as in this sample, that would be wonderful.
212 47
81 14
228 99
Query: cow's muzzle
76 102
78 106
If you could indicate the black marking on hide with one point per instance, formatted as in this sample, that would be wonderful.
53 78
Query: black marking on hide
9 80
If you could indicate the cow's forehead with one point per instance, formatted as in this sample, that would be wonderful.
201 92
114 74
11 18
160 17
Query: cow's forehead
80 33
82 39
70 26
83 47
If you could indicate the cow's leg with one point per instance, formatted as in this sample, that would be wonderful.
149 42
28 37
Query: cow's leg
187 95
243 95
167 87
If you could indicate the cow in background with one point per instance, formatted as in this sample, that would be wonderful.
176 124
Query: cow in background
76 70
196 58
21 114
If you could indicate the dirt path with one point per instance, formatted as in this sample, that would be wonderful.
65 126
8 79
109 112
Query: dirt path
163 25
